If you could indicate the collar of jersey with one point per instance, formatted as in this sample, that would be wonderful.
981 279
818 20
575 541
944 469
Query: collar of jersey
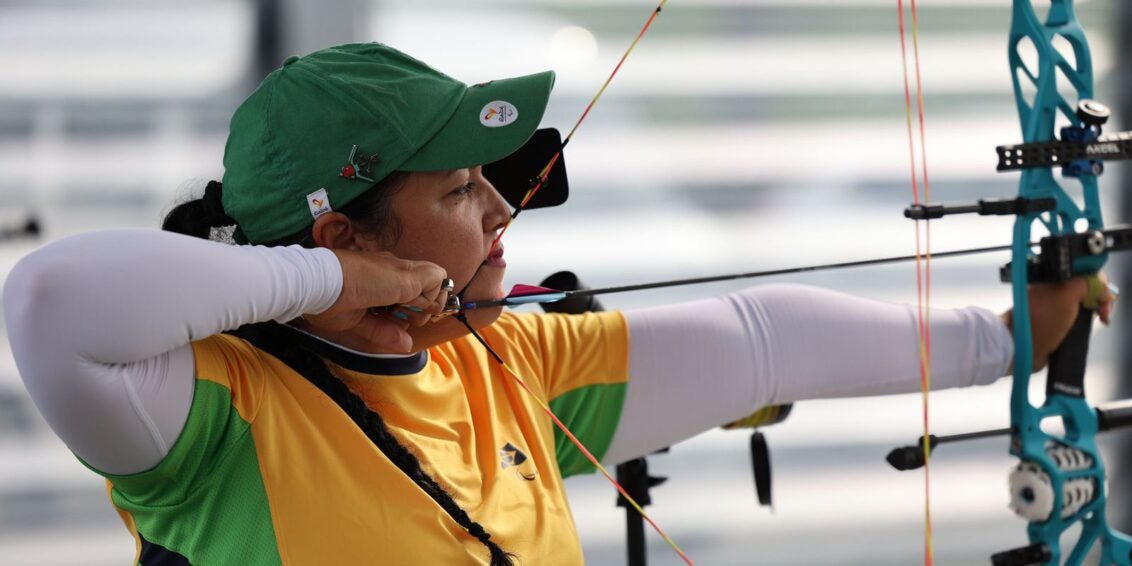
362 362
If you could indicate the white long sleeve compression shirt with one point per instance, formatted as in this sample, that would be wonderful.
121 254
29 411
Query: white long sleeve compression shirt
696 365
100 325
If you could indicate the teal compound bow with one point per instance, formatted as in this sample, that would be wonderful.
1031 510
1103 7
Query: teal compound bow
1059 482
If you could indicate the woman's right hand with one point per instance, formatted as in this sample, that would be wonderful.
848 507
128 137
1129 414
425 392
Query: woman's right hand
378 279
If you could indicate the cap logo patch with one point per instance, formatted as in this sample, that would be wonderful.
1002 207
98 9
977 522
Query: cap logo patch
358 166
318 202
498 113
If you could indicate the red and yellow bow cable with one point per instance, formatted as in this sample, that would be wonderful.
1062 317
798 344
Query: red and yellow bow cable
923 236
544 173
914 105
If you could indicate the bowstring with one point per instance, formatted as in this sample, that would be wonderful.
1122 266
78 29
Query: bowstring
538 182
923 247
544 173
573 439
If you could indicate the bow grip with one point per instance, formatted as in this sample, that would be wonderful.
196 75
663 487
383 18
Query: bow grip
1066 374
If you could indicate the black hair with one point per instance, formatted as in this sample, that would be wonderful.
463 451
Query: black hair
372 211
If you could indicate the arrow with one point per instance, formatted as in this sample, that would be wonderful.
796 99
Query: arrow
533 294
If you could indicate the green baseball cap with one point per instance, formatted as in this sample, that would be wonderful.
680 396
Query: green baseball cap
324 128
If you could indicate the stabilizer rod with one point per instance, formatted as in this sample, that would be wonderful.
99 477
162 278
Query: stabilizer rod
1111 416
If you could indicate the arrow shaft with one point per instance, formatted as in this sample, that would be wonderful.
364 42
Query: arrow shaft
558 296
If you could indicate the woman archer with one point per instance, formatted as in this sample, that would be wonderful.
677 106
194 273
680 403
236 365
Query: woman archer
248 404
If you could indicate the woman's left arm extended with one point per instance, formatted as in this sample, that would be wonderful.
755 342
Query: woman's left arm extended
697 365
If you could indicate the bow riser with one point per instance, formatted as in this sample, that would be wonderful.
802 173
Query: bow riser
1069 468
1038 115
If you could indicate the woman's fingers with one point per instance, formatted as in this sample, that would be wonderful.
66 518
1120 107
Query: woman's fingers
432 300
431 283
379 279
385 333
1054 309
1106 299
410 315
372 283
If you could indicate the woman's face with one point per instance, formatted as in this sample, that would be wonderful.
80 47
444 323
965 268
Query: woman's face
451 218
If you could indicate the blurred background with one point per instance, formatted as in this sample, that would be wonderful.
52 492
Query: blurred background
741 135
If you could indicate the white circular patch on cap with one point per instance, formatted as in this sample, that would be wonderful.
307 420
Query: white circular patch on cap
498 113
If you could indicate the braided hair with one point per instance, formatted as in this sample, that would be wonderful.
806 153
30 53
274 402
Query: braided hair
372 212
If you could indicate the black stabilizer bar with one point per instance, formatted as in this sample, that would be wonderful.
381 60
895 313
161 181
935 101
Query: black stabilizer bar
1115 415
985 207
911 457
1110 416
1032 555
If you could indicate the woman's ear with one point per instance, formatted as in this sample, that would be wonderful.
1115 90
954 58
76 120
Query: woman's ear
335 231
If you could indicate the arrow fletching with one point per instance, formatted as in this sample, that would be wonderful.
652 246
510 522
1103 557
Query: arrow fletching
521 294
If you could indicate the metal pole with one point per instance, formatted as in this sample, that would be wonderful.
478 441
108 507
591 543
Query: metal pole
634 477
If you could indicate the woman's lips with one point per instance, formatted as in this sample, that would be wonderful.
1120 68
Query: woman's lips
496 258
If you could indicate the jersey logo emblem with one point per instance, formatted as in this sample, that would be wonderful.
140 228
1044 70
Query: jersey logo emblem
512 457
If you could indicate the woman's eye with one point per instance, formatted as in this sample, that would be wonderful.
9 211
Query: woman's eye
465 188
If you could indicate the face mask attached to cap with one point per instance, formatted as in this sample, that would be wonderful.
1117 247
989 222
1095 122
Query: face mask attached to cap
517 173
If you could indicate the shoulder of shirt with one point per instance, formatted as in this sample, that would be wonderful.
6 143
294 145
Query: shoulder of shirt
529 330
226 344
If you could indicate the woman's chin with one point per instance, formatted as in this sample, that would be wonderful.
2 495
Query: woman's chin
487 286
448 329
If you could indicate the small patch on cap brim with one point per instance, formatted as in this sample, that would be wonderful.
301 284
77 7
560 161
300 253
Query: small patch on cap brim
498 113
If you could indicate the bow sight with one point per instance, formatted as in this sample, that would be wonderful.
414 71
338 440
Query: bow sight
1080 149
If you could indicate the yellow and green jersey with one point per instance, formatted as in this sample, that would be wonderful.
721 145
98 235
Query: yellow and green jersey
269 470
